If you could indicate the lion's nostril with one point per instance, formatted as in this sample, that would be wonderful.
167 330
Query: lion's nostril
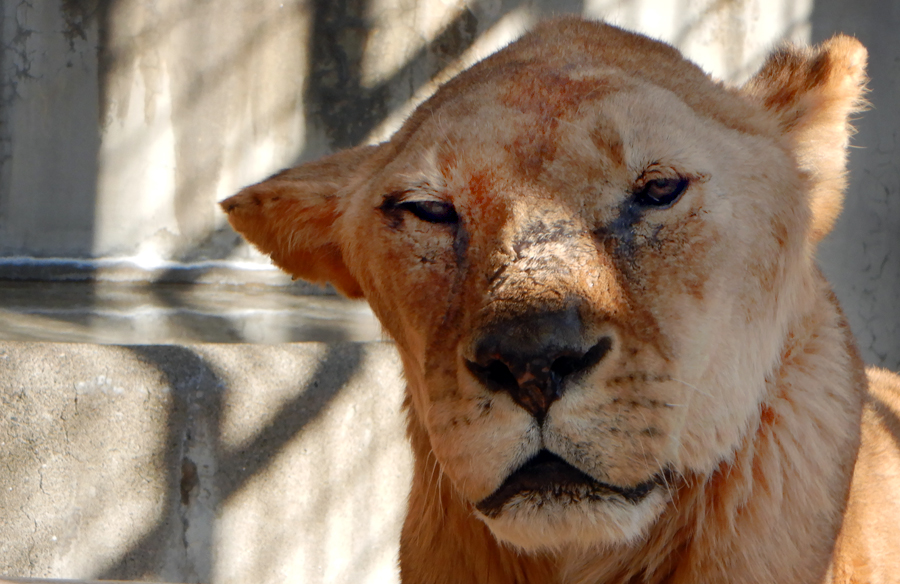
497 374
570 363
594 355
565 365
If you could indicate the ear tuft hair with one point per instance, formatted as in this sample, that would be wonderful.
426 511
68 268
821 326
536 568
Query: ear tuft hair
812 94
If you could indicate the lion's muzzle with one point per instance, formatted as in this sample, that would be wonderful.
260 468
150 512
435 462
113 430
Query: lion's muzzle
531 356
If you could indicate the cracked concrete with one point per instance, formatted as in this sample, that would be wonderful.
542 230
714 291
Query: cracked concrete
202 463
862 255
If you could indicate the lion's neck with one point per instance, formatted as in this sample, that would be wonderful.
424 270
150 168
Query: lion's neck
768 514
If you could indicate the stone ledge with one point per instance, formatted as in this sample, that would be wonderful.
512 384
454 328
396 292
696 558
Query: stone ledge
37 581
131 270
122 313
202 463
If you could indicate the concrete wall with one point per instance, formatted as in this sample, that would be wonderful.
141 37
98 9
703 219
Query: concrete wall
124 121
862 255
225 464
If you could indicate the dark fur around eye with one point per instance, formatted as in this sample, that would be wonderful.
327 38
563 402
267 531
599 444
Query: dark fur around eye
661 192
430 211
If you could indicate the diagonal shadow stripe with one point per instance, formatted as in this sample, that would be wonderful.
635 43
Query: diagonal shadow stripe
888 417
336 96
197 403
340 363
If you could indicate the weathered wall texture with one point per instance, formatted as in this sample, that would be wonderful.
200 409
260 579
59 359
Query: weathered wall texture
122 122
862 256
126 120
224 464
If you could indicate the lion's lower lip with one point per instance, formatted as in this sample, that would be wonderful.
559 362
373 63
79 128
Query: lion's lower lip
549 476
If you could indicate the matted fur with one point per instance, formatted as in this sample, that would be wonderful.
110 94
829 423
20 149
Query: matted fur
725 404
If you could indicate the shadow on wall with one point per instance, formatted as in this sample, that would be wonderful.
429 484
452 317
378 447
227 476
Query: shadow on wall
861 257
204 474
348 109
51 211
47 202
228 96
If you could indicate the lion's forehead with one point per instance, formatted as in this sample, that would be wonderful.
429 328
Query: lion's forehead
555 135
548 82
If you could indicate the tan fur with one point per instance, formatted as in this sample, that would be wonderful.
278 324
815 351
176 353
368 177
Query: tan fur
869 545
717 392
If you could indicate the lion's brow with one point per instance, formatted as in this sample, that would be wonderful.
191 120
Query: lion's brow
608 140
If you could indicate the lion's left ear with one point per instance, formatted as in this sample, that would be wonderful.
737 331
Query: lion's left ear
812 94
293 217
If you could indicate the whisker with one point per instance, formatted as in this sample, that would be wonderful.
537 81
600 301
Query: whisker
439 490
432 486
641 442
658 463
670 491
694 387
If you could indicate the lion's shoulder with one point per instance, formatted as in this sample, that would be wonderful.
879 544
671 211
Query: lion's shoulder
867 542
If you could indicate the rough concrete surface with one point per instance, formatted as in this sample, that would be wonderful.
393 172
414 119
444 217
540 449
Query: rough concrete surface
44 581
139 313
861 257
203 463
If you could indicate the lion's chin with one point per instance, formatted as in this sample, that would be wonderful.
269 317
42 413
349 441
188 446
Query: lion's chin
547 503
554 525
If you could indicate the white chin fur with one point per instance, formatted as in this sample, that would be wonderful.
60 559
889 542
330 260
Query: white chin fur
585 524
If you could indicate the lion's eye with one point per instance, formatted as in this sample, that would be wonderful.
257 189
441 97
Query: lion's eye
431 211
661 192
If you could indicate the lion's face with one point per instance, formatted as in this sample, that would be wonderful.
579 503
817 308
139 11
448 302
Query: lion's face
587 266
578 289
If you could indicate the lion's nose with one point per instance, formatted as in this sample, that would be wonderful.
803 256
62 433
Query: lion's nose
529 358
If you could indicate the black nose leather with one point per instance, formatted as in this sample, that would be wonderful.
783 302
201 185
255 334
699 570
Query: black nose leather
530 357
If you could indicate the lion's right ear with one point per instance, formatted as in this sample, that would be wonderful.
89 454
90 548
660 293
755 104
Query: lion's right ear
293 215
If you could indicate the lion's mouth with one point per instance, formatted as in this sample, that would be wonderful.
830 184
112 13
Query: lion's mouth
546 477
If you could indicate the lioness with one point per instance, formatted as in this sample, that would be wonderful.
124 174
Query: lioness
623 364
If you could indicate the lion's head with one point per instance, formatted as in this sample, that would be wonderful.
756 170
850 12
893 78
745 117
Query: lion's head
590 256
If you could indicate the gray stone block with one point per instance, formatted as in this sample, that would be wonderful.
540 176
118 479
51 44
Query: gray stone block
43 581
202 463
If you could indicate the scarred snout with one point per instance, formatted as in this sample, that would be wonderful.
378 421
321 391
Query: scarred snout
542 308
